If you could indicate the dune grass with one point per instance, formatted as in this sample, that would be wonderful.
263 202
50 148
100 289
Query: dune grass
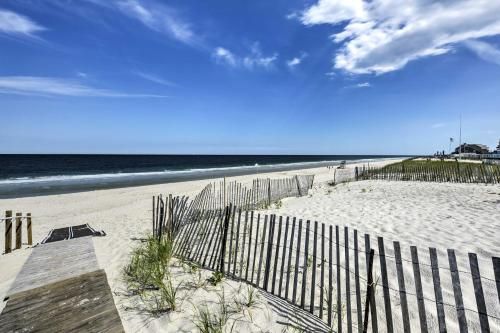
436 171
147 275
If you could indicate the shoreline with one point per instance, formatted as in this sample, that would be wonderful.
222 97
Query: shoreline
85 183
123 213
412 213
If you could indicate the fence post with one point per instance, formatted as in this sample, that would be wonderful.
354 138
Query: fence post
269 191
227 215
30 233
161 204
355 173
224 202
8 231
170 221
369 290
19 230
478 291
496 269
298 185
154 216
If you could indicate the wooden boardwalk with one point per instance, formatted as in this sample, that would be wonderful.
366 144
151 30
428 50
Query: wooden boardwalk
56 261
61 289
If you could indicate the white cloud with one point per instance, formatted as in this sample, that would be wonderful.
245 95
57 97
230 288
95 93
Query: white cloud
295 61
15 24
154 78
255 59
158 18
48 86
333 11
153 14
363 85
438 125
380 36
357 85
225 56
484 50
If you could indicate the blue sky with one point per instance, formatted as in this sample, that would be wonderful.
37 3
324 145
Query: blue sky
248 77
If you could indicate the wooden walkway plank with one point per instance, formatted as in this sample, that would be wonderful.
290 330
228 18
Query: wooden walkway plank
56 261
80 303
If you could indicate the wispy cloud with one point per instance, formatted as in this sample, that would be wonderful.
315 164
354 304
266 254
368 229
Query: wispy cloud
16 24
484 50
49 86
295 61
255 59
438 125
224 56
159 18
363 85
153 14
155 78
380 36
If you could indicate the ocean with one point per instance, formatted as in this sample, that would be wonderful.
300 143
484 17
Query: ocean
27 175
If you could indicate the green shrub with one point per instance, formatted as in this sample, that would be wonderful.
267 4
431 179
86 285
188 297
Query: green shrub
213 321
147 274
148 264
216 278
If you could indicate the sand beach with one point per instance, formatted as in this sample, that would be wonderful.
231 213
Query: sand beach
464 217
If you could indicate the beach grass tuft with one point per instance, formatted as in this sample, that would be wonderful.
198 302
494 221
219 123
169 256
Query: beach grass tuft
147 274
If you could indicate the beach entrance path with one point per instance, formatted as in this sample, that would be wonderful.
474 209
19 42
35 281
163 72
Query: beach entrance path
61 289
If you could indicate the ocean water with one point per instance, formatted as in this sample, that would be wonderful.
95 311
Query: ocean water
23 175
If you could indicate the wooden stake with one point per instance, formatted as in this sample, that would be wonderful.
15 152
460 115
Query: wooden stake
227 215
369 290
224 203
30 234
8 231
19 230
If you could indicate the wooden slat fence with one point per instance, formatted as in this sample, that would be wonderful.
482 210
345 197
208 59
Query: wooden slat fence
169 214
325 270
432 172
13 228
261 194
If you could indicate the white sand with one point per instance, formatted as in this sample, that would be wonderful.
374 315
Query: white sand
465 217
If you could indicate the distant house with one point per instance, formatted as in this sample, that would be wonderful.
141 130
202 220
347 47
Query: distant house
472 148
497 151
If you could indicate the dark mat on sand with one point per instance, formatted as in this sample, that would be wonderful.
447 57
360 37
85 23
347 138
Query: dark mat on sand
76 231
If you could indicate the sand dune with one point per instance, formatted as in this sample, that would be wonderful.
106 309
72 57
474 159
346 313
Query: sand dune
461 216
